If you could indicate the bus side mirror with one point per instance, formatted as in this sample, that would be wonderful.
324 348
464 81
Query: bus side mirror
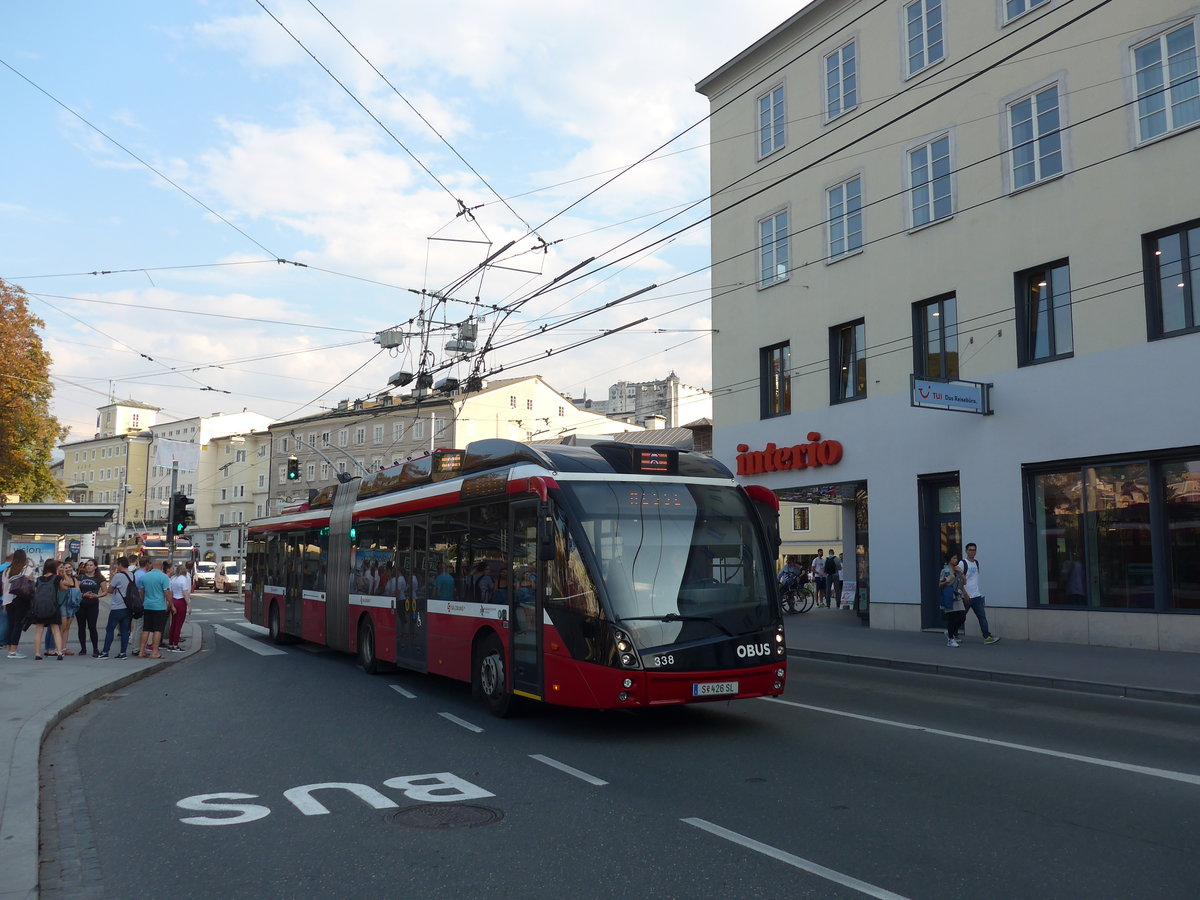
547 547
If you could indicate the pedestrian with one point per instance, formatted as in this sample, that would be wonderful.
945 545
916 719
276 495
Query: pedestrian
138 570
181 599
91 586
70 598
975 599
118 588
18 587
48 584
156 588
950 600
818 576
833 578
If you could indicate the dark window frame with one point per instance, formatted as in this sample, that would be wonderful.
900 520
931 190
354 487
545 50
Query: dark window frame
921 342
836 381
768 394
1154 330
1021 287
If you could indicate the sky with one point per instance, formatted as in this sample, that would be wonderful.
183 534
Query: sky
260 219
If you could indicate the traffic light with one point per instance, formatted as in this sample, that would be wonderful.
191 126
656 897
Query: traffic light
293 470
181 516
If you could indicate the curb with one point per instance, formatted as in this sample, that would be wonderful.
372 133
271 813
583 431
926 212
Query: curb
1043 681
25 850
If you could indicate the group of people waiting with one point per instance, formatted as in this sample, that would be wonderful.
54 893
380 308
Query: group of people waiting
145 594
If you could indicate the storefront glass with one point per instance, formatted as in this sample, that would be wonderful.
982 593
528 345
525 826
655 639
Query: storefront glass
1118 536
1181 499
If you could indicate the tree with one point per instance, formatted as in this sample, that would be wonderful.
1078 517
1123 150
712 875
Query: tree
28 432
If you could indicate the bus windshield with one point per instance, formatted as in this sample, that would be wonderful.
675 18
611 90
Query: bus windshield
678 562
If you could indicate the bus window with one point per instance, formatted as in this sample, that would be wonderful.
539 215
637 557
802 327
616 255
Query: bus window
448 555
373 555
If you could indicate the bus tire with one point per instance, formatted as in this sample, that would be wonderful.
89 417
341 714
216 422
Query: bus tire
490 683
273 629
366 647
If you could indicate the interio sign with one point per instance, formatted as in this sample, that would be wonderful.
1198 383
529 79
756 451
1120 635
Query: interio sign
799 456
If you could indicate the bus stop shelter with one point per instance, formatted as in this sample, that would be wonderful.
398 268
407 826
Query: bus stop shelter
51 518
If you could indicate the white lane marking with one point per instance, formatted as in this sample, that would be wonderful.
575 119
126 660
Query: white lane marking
463 722
570 770
402 692
807 865
249 643
1058 754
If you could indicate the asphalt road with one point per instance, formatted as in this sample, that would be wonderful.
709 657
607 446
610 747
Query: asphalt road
860 782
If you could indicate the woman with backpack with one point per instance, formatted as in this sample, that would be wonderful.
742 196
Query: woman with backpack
46 610
19 581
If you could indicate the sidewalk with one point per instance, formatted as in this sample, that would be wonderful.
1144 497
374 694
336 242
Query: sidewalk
838 635
34 697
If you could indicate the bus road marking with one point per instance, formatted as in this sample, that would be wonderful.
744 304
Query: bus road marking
249 643
1185 777
570 770
807 865
462 722
402 692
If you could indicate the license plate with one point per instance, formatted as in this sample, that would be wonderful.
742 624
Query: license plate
714 688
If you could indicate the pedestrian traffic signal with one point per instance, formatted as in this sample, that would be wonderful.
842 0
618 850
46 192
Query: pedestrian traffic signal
181 516
293 469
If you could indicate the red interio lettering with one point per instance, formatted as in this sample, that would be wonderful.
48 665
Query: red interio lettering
776 459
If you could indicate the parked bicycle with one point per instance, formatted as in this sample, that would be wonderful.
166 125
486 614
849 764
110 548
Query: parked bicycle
796 595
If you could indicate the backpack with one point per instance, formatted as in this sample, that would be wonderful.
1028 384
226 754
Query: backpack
135 597
831 565
45 599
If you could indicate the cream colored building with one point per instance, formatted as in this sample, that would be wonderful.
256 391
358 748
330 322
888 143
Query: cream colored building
365 436
998 193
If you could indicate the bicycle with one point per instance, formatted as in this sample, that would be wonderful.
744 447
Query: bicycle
796 597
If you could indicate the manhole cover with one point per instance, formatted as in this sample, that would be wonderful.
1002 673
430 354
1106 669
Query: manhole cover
450 816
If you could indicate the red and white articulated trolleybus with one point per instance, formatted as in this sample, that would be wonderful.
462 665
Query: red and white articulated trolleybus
604 576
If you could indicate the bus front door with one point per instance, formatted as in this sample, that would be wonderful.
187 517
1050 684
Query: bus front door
524 601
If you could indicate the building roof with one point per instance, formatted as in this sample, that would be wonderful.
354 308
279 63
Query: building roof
131 404
705 83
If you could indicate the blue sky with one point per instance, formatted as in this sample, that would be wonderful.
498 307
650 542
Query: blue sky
544 99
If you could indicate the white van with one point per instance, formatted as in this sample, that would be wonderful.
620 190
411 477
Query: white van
229 577
206 575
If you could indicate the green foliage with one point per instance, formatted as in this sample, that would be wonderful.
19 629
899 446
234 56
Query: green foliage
27 430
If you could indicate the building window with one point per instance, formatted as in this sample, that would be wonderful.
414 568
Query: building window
377 434
325 438
773 255
1033 129
360 436
1044 313
848 358
1118 535
529 403
923 34
771 122
512 401
283 474
262 481
397 432
935 333
240 456
283 445
324 470
418 429
311 471
1172 270
439 428
929 174
844 203
800 518
776 380
1016 8
841 81
1167 86
343 437
562 411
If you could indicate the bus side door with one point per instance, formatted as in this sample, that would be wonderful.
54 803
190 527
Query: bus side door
412 565
525 602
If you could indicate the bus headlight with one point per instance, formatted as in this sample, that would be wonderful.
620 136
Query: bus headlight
627 656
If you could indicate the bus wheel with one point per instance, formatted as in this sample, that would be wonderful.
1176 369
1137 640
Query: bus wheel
366 648
489 676
276 633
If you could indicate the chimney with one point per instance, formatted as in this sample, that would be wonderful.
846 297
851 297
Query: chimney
656 423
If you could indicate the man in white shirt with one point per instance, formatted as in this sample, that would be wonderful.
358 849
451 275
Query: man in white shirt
975 600
818 576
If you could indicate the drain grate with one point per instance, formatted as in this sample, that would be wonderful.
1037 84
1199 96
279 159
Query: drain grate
461 815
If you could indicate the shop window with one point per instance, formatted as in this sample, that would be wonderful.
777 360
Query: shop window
1120 535
1044 313
1172 260
848 361
775 379
935 338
